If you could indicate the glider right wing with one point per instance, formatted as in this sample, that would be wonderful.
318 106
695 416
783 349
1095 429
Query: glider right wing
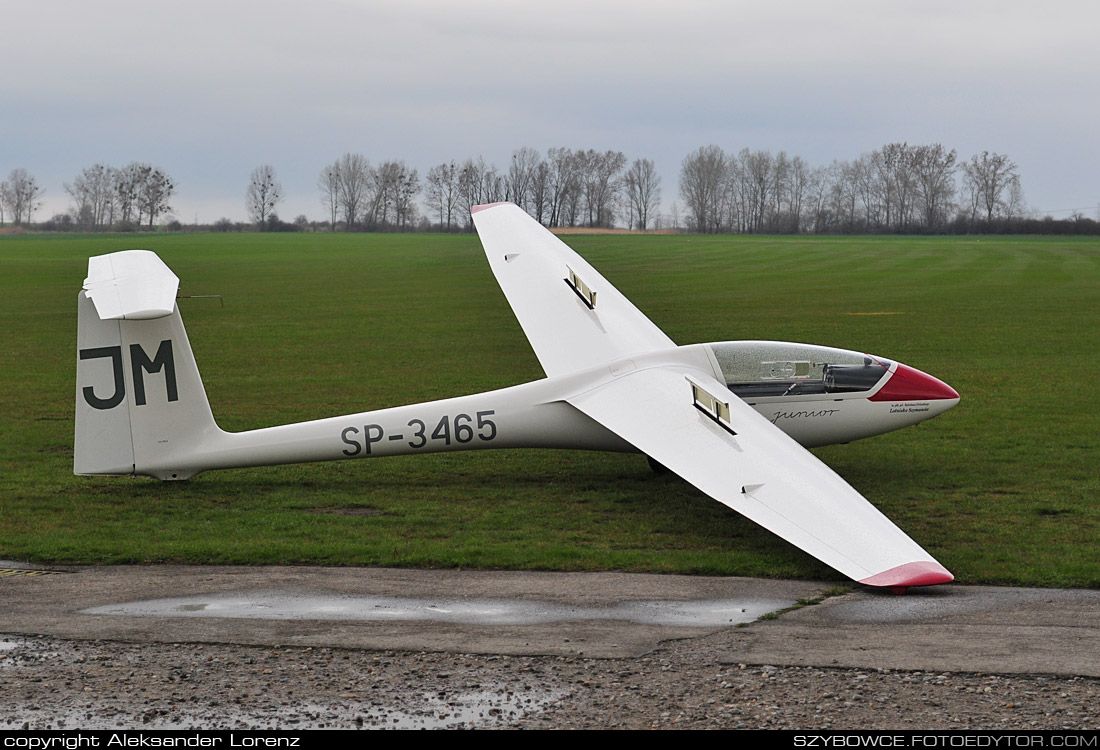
722 446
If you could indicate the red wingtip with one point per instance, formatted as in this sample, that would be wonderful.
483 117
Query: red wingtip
911 574
484 206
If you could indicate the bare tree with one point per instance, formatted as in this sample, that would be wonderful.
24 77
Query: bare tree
844 194
799 181
394 187
563 187
469 188
702 181
154 192
492 185
94 196
934 174
21 196
263 194
142 190
757 170
778 218
892 167
539 191
521 173
478 183
643 192
1014 205
345 184
816 208
329 184
127 184
408 185
442 192
991 179
407 189
600 184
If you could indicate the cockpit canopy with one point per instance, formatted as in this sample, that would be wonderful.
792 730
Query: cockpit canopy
776 368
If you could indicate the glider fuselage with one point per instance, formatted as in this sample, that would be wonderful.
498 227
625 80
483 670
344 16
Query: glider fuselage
538 415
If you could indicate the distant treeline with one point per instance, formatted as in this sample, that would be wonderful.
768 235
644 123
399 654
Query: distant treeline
897 188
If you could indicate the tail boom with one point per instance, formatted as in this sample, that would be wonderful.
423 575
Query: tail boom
141 407
526 416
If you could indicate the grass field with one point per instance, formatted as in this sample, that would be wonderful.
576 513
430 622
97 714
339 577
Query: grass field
1003 489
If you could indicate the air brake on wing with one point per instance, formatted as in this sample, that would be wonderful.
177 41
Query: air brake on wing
583 291
715 408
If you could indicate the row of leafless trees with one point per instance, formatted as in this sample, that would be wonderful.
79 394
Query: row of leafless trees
566 188
895 188
105 196
361 196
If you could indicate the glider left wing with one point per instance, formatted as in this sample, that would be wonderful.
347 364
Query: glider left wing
572 316
744 462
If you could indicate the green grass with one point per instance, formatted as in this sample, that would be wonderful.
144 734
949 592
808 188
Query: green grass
1002 489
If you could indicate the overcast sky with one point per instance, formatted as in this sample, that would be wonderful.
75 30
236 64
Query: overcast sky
209 89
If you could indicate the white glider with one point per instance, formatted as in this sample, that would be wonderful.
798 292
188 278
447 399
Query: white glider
731 418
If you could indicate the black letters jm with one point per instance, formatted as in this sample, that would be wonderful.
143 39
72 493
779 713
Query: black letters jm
139 365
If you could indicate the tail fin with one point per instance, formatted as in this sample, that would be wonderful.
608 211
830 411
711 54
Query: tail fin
140 404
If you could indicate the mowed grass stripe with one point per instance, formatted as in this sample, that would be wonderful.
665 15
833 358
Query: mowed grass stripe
1002 489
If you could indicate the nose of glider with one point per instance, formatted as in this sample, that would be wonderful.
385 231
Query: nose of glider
909 384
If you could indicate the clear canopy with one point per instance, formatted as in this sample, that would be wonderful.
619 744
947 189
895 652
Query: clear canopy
776 368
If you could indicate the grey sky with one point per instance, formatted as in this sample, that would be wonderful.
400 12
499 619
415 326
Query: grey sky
209 89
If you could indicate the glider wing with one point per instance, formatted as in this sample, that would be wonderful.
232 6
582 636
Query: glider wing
572 316
691 423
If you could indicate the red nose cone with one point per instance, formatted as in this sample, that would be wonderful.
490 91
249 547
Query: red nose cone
907 384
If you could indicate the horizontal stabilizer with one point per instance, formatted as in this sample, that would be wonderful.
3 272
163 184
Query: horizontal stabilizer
131 285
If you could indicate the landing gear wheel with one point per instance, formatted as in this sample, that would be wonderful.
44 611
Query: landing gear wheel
656 466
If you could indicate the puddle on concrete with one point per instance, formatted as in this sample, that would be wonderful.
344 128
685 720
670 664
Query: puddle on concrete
277 606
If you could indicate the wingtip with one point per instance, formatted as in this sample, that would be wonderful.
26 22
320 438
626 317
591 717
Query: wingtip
484 206
927 573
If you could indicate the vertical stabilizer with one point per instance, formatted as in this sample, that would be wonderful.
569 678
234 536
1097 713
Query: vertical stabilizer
140 405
